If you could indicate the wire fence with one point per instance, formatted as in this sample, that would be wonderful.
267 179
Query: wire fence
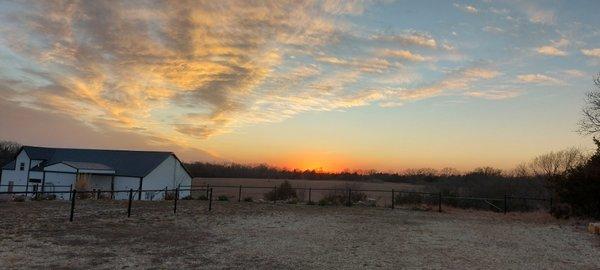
305 195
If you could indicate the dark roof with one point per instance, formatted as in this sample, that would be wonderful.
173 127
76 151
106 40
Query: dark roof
124 162
87 165
9 166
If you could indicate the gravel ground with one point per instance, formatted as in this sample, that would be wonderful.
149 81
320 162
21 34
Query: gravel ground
265 236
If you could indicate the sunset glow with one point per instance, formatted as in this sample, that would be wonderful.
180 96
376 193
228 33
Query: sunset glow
336 85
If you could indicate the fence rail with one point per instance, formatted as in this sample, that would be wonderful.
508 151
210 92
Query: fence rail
344 194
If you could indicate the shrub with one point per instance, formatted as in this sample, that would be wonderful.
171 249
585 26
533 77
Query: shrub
324 202
202 198
187 198
292 201
561 210
223 198
340 197
19 198
409 198
284 192
169 196
82 185
248 199
84 195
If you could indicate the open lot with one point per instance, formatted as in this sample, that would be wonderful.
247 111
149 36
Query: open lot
266 236
382 198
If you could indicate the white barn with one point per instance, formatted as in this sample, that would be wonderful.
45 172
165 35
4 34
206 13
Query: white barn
40 169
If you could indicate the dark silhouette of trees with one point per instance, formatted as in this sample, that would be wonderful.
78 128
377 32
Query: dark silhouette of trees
8 150
579 187
590 122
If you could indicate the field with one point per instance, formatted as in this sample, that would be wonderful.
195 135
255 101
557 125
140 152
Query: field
282 236
382 198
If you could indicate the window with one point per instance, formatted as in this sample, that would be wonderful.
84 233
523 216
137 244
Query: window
22 166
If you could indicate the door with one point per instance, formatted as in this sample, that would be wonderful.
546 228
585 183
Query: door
11 185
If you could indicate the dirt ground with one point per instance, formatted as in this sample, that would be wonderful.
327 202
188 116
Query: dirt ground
265 236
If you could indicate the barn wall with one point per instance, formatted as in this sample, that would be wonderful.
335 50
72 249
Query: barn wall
101 182
59 179
170 174
17 176
126 183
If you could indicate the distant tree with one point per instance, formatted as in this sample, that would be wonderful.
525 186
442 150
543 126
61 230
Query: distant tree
486 171
557 163
8 150
522 170
449 171
590 122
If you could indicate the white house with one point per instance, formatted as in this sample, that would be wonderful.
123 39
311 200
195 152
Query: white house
42 169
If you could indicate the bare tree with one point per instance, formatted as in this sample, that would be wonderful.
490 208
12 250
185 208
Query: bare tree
590 122
8 150
449 171
557 163
521 170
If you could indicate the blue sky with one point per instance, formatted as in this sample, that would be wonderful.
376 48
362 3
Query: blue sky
330 84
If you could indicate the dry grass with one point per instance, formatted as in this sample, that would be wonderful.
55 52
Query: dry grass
266 236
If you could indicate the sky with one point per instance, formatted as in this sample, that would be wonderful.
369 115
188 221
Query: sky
331 85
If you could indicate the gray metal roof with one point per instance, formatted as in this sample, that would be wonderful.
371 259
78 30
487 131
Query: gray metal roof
124 162
87 165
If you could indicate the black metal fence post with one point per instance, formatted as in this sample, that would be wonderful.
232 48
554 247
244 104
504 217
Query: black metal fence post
505 204
166 191
70 191
309 195
207 189
210 200
99 192
73 196
392 198
440 202
274 194
240 194
175 201
129 204
349 197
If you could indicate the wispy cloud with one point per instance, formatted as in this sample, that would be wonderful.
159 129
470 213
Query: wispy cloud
466 8
494 94
404 54
591 52
538 14
551 51
409 38
555 48
538 79
493 29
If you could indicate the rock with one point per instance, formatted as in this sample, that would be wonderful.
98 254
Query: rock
594 228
